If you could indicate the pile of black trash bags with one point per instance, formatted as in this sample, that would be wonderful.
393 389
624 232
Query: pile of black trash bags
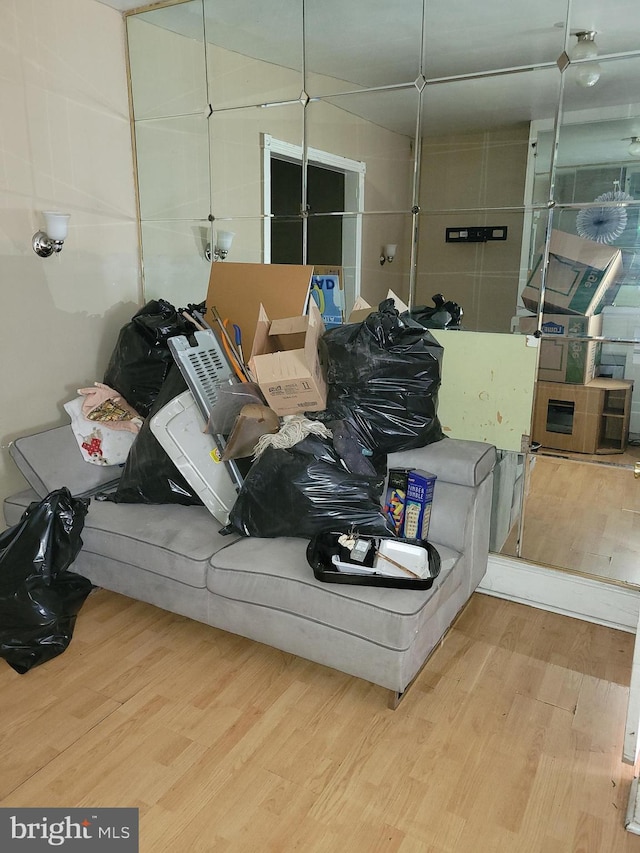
383 377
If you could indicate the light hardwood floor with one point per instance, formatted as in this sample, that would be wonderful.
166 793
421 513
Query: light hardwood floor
582 516
509 741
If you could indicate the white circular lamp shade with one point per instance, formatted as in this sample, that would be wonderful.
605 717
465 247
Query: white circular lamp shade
603 224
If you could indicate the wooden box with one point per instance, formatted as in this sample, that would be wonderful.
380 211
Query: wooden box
591 418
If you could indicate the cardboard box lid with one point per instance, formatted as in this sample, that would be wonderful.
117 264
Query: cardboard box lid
238 290
586 252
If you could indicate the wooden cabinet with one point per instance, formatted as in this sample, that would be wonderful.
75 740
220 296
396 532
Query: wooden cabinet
591 418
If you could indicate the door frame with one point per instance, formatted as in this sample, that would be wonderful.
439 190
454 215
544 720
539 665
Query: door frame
354 173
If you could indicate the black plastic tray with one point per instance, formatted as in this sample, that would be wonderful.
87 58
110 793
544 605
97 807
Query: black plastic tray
324 545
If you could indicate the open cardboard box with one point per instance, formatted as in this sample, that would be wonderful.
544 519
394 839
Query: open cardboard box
285 362
361 308
238 290
580 276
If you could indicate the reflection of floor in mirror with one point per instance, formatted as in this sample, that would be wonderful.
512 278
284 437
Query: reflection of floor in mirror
582 516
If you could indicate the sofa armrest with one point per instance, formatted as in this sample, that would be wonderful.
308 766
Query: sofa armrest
461 511
454 460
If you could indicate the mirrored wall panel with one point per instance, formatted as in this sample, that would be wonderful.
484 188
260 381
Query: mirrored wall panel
254 52
458 42
240 146
429 152
351 46
166 61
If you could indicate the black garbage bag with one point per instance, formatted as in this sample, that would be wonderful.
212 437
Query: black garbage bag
149 476
39 597
303 490
443 314
383 377
141 358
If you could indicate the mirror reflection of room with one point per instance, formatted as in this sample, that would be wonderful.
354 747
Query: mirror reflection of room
237 114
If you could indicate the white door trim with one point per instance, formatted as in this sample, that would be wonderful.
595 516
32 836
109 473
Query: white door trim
354 172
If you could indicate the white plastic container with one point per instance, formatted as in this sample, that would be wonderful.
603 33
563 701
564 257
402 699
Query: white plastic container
179 427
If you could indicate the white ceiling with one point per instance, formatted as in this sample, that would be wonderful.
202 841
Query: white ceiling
377 42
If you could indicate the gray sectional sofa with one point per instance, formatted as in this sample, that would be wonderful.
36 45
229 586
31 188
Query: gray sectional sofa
175 558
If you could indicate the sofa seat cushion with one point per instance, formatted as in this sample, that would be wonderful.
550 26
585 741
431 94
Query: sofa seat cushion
274 573
51 459
169 540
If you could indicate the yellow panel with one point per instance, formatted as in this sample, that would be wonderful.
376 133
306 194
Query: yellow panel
487 386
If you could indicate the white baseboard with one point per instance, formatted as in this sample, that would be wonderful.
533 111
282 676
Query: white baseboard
632 820
609 604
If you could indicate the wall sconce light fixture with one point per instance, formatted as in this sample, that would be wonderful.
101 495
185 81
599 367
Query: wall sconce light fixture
587 73
224 239
634 148
46 242
388 253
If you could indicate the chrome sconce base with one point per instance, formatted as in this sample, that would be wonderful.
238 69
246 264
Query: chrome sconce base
217 255
43 246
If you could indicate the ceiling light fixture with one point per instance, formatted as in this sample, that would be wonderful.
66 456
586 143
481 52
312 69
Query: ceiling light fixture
587 73
634 148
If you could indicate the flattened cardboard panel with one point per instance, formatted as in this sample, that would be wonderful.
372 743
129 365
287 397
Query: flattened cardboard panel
328 292
237 290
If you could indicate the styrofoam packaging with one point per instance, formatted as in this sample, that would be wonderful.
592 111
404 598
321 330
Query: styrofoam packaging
410 560
414 558
417 510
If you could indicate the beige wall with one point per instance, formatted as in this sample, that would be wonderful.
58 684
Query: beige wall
64 144
479 170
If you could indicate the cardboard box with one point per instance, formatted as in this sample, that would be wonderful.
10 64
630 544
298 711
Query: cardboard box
561 359
238 291
417 507
285 362
395 497
408 501
361 308
360 311
327 289
581 276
